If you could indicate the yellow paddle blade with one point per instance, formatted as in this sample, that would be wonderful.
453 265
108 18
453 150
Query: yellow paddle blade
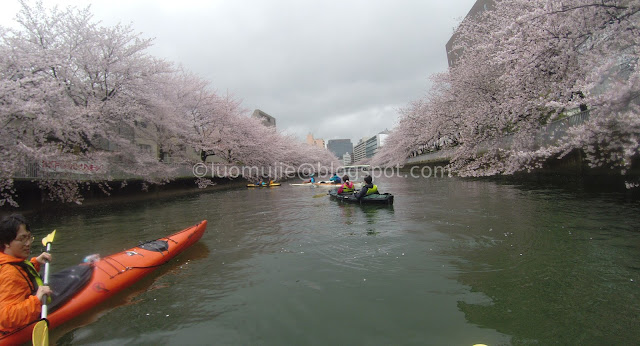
40 334
48 238
320 195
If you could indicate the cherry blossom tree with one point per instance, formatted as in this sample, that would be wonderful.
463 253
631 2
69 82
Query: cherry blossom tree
73 92
77 90
220 126
425 125
525 64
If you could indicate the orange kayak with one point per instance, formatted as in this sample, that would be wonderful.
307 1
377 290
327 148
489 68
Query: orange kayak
101 278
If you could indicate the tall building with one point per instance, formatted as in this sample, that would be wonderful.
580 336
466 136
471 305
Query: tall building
374 143
359 152
480 6
267 120
318 142
339 147
369 146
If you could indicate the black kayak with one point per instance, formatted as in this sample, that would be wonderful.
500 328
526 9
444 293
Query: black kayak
376 198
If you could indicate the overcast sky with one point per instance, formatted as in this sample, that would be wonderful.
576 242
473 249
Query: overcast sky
333 68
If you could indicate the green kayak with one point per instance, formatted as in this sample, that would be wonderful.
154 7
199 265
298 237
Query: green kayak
376 198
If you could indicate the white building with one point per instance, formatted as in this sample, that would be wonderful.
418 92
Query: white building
346 159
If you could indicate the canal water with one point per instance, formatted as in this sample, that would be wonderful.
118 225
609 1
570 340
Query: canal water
452 262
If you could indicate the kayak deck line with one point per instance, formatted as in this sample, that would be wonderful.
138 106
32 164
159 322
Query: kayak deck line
109 259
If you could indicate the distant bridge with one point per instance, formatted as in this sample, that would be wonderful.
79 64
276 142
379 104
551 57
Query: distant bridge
355 167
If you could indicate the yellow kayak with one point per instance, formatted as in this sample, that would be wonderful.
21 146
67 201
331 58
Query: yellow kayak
258 185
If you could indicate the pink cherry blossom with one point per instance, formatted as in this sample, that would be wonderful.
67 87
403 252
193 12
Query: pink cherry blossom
525 64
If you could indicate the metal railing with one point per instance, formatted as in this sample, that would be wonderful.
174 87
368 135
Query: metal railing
553 132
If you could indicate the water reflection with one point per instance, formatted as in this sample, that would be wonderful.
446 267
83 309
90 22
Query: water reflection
371 213
547 268
451 262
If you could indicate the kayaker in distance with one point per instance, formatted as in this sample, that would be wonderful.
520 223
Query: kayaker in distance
368 188
335 179
311 179
21 288
347 186
263 181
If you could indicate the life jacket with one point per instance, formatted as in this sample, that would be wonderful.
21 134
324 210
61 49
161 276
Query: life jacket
347 187
33 274
312 180
372 190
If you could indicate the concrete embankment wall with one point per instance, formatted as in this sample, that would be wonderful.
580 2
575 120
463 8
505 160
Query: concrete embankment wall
31 198
573 170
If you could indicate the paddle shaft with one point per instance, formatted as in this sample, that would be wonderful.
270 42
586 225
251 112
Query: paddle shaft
40 332
45 281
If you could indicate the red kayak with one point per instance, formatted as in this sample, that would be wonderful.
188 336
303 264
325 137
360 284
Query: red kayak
79 288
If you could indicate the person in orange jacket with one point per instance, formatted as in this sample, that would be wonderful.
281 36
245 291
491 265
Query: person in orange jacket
21 288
